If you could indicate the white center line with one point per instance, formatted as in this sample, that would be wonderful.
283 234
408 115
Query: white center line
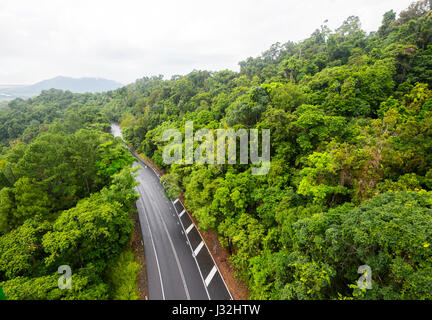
159 215
154 248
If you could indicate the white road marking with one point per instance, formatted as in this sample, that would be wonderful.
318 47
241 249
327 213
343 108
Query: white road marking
154 248
189 228
173 250
199 269
210 276
182 213
198 249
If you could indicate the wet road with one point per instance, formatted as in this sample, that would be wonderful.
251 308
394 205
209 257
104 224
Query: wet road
179 265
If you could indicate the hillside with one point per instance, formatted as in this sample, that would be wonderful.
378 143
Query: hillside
349 186
351 167
80 85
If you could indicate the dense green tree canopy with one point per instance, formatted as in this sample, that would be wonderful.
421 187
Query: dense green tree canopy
66 194
349 114
350 180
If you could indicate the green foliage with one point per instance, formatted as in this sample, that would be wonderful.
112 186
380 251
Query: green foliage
21 249
66 194
46 288
247 109
350 116
391 234
92 231
112 158
2 295
123 276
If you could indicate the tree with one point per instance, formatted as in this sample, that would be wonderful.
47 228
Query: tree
92 231
247 109
21 250
388 19
30 201
7 208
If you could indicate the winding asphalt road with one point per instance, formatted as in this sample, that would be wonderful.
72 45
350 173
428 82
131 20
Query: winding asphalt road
179 266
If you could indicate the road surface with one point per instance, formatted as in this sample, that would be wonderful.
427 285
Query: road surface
179 265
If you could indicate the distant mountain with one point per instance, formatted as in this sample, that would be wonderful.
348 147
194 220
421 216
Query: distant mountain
80 85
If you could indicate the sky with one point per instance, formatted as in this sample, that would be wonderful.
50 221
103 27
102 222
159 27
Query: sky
129 39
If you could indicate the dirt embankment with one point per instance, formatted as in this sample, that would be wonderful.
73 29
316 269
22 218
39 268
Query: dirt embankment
238 288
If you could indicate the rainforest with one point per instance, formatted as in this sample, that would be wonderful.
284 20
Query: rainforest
349 185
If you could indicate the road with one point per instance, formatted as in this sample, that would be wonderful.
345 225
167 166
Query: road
179 265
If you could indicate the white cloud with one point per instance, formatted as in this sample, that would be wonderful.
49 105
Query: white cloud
126 40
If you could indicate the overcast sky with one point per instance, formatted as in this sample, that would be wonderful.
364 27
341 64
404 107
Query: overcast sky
125 40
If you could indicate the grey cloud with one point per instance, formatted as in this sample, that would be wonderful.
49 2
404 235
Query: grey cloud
127 40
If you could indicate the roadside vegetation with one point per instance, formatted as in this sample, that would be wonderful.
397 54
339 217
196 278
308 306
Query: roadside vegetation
350 182
351 140
66 196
